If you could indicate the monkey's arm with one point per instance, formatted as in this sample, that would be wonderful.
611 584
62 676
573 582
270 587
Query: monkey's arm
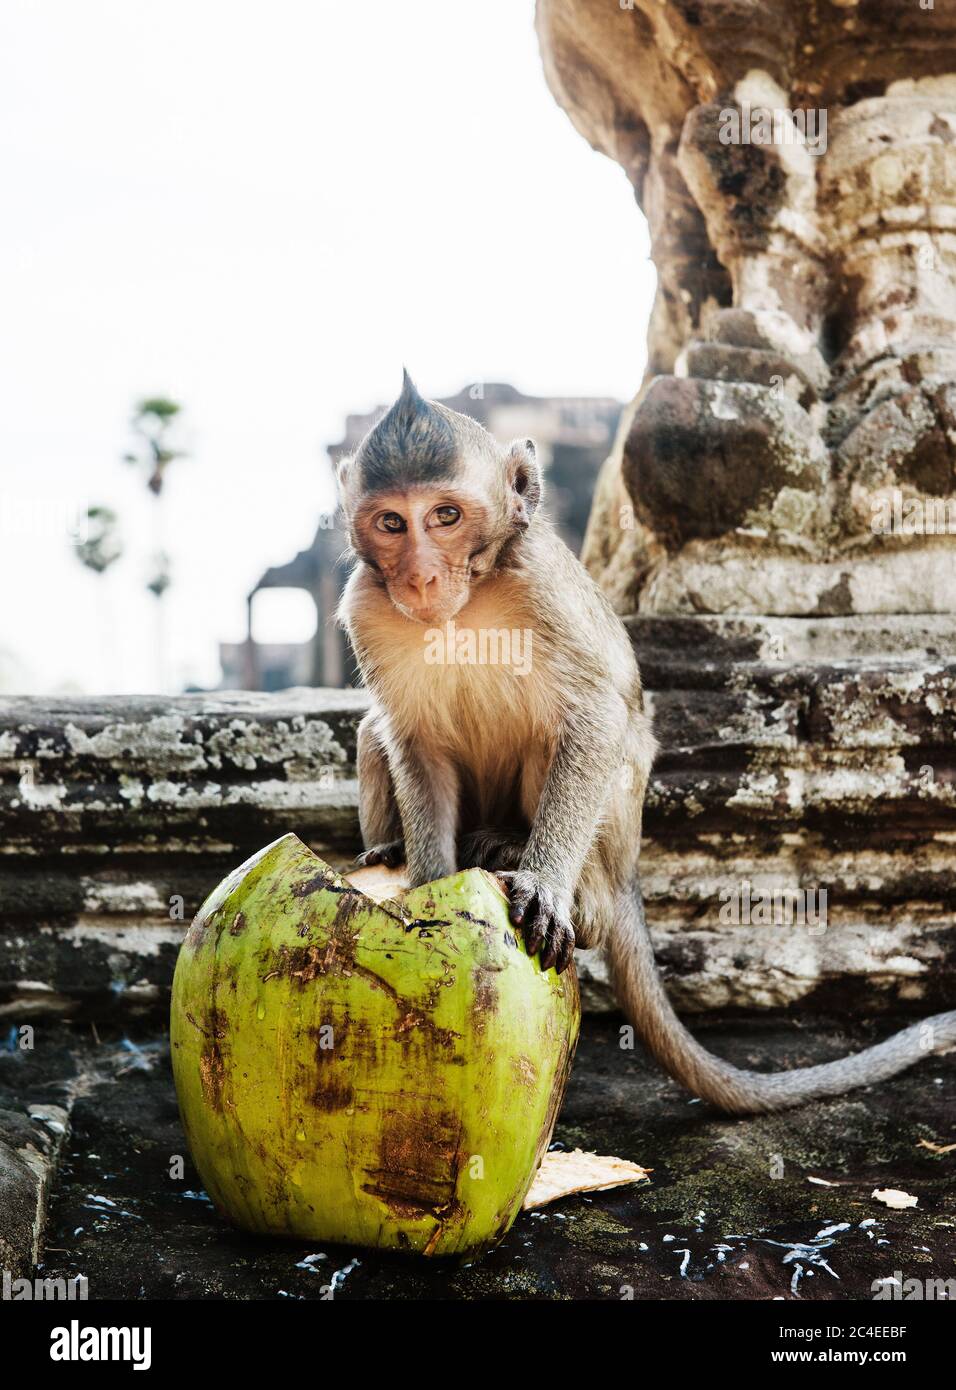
427 799
587 757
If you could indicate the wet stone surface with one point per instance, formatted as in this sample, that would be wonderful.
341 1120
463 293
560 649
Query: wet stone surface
730 1212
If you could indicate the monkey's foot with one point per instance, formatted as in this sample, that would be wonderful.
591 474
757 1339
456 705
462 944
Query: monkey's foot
543 920
493 850
391 855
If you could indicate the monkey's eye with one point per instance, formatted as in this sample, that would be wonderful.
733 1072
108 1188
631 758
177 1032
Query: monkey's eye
446 516
390 521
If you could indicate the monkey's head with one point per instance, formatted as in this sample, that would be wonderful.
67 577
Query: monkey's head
434 504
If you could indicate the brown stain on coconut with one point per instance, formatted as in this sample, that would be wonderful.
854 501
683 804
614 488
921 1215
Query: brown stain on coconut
320 882
525 1072
351 1042
331 1092
334 955
485 1002
212 1062
418 1168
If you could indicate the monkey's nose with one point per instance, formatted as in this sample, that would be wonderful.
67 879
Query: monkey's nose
424 587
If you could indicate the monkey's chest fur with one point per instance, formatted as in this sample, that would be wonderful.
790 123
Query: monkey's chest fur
467 695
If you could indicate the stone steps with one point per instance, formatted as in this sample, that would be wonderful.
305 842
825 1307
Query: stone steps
796 754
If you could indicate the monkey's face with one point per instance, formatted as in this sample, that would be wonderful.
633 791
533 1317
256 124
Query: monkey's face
432 501
429 545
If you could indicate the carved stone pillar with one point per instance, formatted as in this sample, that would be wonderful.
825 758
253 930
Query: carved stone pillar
777 521
797 165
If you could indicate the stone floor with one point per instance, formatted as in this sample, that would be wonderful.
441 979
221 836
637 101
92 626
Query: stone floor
730 1213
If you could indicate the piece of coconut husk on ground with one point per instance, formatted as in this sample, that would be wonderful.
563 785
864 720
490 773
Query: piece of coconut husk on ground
894 1198
562 1174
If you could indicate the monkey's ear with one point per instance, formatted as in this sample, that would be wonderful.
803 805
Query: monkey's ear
342 470
524 479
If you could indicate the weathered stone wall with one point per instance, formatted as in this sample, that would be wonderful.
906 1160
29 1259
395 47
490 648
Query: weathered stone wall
797 165
31 1140
793 755
117 816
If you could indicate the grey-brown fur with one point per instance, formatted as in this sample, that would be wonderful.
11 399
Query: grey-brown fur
413 442
541 779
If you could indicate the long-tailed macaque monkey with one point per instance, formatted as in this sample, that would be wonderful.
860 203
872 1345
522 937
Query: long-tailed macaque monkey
536 771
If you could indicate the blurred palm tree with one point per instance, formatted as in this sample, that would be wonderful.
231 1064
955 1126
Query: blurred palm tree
101 545
98 547
152 420
160 580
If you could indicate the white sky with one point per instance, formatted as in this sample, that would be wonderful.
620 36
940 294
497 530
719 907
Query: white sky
264 210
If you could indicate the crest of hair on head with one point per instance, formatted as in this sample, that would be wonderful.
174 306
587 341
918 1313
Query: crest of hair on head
413 443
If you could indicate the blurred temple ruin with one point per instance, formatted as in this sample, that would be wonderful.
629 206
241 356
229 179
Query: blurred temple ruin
573 436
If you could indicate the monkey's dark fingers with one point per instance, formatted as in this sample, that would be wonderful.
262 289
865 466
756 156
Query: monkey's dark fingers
563 946
538 924
521 890
544 925
389 855
556 930
536 929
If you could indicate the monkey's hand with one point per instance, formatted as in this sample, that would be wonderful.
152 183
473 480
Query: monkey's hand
390 855
542 917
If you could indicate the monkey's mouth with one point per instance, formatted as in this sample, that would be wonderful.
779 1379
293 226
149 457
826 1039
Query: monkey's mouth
426 617
433 616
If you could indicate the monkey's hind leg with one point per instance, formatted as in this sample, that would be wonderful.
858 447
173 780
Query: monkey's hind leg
378 809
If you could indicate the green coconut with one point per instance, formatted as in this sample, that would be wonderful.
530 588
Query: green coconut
384 1074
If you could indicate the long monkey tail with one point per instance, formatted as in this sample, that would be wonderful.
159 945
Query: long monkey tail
641 995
